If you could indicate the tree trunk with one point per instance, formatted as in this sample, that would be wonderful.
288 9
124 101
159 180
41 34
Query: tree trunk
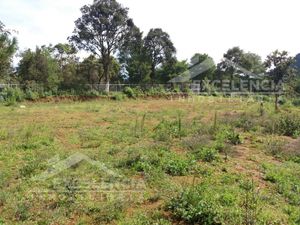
106 63
107 86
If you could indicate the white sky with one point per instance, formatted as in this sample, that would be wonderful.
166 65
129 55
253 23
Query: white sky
210 26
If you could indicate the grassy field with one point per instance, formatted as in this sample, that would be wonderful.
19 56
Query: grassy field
204 160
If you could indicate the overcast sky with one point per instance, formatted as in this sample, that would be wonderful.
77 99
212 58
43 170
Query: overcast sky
210 26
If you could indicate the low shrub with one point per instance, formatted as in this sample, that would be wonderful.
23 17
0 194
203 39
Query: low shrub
129 92
207 154
118 97
166 130
92 93
274 146
12 95
191 207
286 179
31 95
296 102
288 124
176 166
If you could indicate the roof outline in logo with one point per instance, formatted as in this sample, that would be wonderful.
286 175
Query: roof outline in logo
199 68
62 165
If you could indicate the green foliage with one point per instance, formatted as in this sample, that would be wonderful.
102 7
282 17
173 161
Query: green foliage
129 92
233 137
207 154
274 146
167 130
159 49
12 95
286 179
143 219
250 204
228 134
39 68
191 207
107 212
8 47
31 95
176 166
118 96
296 102
288 124
103 20
22 211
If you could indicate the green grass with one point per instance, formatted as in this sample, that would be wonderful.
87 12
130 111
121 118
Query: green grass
196 158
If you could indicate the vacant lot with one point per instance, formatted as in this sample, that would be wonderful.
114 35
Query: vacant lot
197 161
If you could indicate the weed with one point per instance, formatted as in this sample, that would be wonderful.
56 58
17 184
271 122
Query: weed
274 145
191 207
250 204
286 178
207 154
167 130
176 166
22 211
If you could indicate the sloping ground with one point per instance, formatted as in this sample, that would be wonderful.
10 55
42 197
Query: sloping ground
138 138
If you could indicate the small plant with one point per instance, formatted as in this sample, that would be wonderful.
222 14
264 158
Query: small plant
176 166
22 211
250 204
106 213
274 146
288 124
233 137
207 154
129 92
261 109
118 97
139 127
215 121
191 207
296 102
12 95
31 95
166 130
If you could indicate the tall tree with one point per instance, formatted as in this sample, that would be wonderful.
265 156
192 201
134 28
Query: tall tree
65 55
171 69
101 30
280 68
133 56
238 63
39 69
202 60
8 47
159 49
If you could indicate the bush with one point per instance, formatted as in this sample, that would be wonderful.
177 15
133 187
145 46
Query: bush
288 124
31 95
129 92
229 135
166 130
191 207
274 146
92 93
233 137
12 95
176 166
207 154
296 102
118 97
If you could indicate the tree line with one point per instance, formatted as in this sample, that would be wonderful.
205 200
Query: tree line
121 53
